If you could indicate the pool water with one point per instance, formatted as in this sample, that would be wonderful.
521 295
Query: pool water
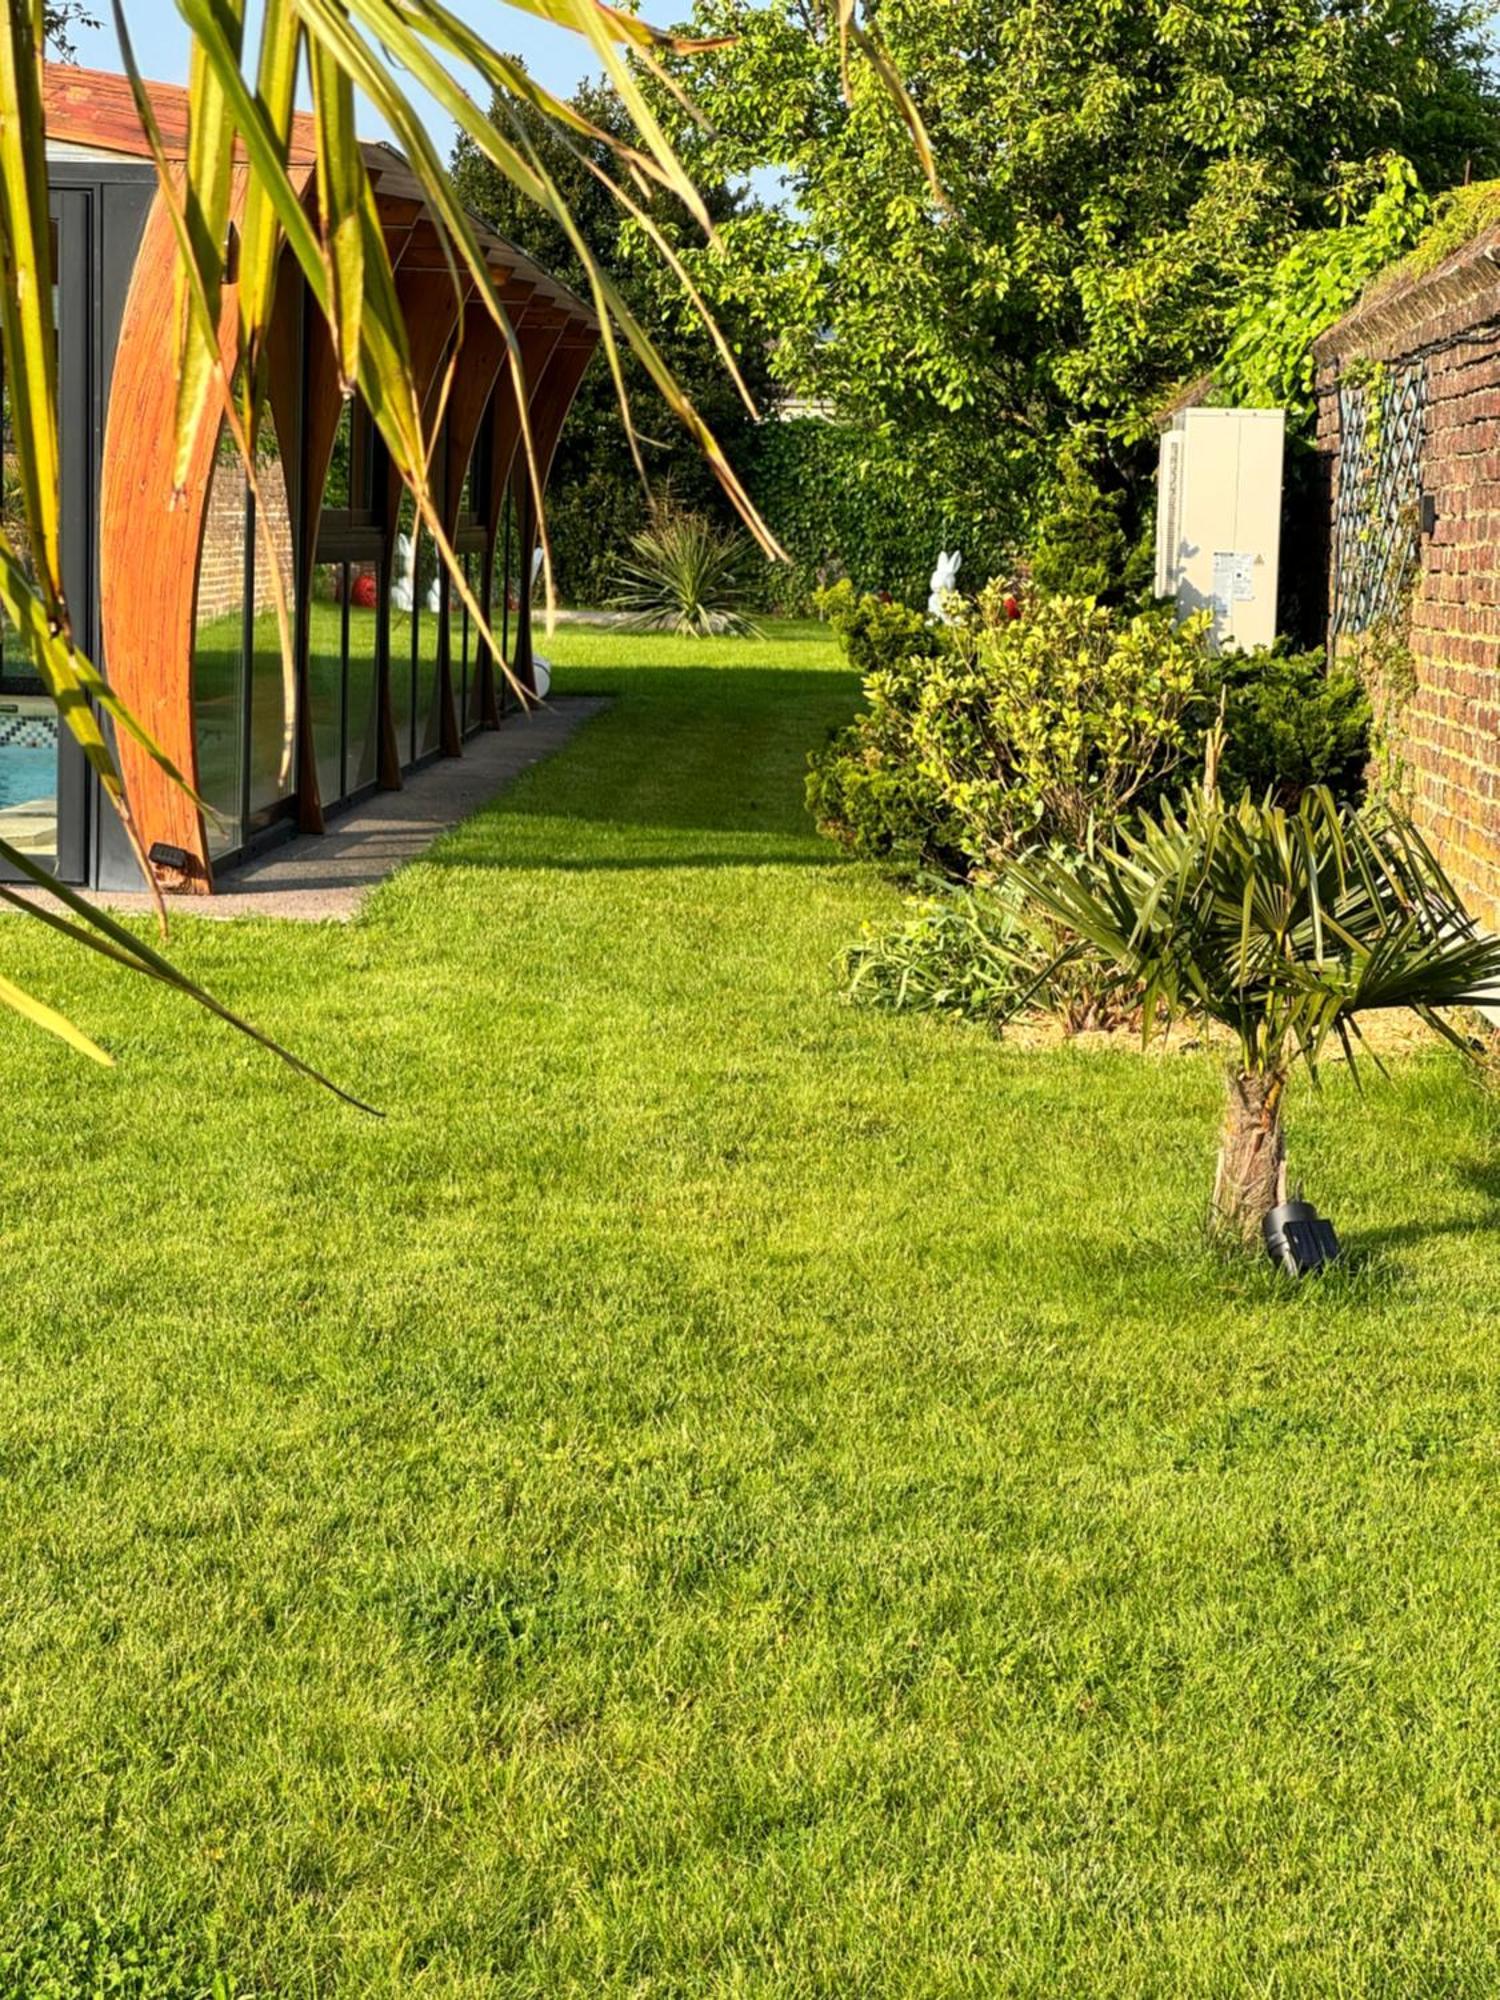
28 776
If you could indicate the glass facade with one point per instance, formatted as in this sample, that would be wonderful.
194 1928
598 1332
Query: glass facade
28 720
219 650
375 601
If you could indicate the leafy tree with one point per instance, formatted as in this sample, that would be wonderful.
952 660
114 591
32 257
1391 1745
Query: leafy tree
59 20
1116 176
596 503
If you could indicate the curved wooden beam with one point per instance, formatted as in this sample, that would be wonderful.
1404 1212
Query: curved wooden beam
150 534
550 402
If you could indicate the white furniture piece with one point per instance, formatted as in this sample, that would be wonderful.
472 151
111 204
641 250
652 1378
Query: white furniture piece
1218 520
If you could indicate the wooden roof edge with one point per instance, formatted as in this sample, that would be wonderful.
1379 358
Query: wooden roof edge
96 107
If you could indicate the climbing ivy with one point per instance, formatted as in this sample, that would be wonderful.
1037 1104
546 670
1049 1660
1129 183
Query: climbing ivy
1268 361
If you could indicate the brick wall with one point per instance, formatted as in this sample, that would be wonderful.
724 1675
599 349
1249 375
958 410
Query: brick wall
221 562
1442 334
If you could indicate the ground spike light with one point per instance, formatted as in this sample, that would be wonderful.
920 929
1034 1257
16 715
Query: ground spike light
1299 1241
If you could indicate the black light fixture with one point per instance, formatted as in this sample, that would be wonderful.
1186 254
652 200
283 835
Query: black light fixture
1298 1240
1429 512
162 854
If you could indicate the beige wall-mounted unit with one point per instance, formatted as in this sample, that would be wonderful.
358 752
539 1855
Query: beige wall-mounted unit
1218 520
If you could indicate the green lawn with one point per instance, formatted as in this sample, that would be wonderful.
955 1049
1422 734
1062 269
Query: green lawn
716 1493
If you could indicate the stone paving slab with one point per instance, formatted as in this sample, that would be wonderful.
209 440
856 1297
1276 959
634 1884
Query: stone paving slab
318 876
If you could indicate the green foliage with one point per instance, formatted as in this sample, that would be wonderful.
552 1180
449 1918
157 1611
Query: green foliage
1455 218
1282 927
957 952
877 634
1065 718
845 504
1079 548
1268 359
1119 182
865 787
1293 722
682 574
970 952
57 1955
594 497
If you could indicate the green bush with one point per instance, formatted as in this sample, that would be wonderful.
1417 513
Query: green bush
865 788
683 575
843 506
1292 722
1042 726
973 953
956 952
1079 549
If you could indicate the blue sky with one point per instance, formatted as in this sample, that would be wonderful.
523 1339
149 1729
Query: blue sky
555 58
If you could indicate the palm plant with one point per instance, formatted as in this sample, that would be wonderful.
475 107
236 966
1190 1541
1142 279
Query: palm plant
1285 927
683 575
242 100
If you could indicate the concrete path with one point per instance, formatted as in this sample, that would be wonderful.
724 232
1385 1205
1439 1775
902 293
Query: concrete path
318 876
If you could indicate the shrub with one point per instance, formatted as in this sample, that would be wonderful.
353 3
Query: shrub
974 954
683 575
1290 723
844 505
1079 549
865 788
1038 728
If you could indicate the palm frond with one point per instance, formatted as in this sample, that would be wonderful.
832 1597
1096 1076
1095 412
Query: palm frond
1283 927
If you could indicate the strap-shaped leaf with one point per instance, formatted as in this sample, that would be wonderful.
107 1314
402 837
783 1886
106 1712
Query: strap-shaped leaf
27 338
209 185
343 188
261 235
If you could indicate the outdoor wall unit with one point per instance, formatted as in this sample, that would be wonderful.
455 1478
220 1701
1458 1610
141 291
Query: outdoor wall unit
1218 520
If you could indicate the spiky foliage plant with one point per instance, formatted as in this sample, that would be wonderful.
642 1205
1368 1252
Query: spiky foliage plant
1286 928
684 575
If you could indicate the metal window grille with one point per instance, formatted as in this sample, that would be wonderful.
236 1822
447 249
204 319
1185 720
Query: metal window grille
1382 425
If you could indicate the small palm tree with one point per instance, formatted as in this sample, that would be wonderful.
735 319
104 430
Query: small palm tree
683 575
1283 926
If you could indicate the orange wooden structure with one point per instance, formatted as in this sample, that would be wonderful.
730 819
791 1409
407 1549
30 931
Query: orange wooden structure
385 669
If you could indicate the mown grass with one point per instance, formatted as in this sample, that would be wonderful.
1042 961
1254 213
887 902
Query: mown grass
717 1493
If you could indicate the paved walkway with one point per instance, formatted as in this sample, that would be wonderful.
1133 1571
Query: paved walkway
328 875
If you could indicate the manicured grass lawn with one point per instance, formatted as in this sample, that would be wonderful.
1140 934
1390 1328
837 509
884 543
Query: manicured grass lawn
716 1493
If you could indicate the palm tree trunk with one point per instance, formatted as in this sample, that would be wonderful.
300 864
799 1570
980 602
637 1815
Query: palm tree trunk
1252 1153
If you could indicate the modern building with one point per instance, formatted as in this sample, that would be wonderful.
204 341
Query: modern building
172 591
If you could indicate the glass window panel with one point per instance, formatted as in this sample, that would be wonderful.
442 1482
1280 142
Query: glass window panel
403 637
272 695
433 609
28 720
336 488
219 648
325 676
362 753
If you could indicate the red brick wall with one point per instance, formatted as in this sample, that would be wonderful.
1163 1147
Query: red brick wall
221 563
1445 725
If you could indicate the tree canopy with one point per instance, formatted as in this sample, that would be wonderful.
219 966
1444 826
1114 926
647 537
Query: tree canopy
598 500
1117 175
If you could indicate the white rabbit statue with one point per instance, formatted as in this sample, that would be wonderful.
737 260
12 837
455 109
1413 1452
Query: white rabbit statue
944 579
404 577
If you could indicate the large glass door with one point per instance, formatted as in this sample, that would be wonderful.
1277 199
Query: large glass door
43 794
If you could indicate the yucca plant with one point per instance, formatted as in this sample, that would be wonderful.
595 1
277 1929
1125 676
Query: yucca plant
684 575
242 98
1285 927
